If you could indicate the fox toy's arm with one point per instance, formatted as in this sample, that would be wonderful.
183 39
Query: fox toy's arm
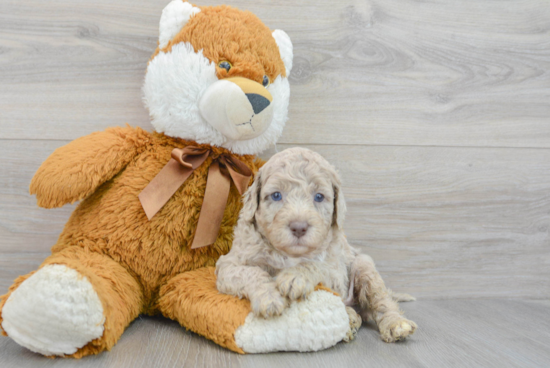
76 170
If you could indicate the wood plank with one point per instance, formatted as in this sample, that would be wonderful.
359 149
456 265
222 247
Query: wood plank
457 333
15 264
25 227
405 72
439 222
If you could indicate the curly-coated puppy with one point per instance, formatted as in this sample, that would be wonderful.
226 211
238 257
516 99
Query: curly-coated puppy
289 238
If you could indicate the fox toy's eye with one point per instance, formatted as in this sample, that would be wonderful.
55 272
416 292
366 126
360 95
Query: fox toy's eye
277 196
225 65
319 197
265 82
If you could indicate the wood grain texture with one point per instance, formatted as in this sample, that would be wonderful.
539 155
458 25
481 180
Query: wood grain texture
405 72
437 115
452 333
439 222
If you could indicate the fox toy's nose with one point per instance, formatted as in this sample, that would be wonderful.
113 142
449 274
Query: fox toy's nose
258 102
298 228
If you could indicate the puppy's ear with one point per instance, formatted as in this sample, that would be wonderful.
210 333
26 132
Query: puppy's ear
339 213
251 199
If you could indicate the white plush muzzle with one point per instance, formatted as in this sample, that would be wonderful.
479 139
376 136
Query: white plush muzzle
177 80
236 114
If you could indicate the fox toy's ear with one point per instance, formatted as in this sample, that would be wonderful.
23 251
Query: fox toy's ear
174 16
285 48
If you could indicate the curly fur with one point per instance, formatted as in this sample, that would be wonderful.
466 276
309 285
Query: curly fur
270 266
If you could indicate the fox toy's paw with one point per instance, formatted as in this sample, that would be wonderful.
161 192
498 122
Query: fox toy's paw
54 312
319 322
313 324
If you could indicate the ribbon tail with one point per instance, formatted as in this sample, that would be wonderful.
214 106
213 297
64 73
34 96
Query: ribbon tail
241 178
213 206
170 178
163 186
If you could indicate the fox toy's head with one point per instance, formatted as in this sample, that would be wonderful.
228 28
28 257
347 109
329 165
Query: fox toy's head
219 76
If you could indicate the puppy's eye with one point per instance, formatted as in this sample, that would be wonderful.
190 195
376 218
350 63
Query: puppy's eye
265 82
319 197
225 65
277 196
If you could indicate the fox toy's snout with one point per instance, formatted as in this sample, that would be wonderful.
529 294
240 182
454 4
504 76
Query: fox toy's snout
237 107
219 76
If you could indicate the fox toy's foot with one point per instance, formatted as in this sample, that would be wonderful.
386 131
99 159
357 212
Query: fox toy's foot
78 303
192 299
54 312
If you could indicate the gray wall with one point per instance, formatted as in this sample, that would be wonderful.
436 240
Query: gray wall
436 113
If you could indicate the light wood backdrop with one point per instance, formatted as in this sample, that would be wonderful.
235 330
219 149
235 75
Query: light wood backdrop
437 114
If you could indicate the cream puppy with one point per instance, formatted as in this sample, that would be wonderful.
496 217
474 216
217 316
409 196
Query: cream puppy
289 238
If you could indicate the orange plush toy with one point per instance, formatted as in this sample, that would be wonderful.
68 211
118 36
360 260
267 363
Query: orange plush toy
158 209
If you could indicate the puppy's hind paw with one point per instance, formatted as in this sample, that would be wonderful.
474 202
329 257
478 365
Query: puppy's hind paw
402 297
294 286
354 324
398 330
268 303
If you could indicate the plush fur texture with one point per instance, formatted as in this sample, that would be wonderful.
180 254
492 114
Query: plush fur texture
181 71
271 266
192 299
108 238
61 324
119 292
174 16
317 324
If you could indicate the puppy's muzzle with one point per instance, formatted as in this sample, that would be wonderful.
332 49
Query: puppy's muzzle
298 228
237 107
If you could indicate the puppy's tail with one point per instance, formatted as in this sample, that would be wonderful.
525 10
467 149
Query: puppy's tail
402 297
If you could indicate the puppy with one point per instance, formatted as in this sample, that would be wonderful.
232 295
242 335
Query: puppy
289 238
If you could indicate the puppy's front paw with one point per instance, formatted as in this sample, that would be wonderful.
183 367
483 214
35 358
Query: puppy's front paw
354 324
294 286
398 330
268 303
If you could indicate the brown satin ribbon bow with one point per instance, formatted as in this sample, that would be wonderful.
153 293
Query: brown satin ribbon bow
222 170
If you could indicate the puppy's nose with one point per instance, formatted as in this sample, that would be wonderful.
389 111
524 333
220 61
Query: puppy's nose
258 102
298 228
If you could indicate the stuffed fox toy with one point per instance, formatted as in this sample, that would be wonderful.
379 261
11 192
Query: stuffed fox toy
145 237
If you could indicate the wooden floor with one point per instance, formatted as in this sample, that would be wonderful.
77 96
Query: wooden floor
437 114
452 333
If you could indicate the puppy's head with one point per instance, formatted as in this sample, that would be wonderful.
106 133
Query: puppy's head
296 202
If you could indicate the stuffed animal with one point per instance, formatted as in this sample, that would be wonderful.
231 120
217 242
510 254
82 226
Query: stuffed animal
157 209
